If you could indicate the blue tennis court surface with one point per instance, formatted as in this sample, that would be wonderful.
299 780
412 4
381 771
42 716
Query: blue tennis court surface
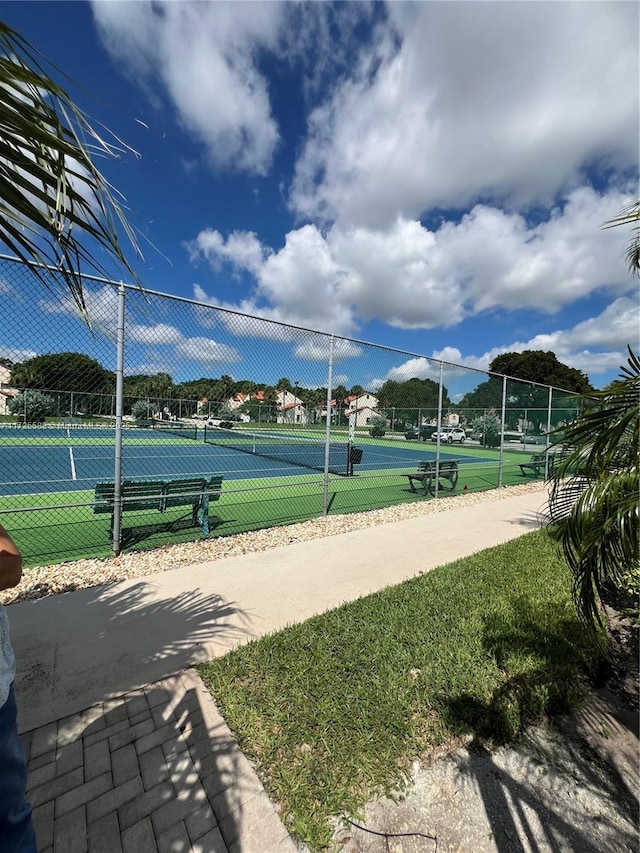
73 465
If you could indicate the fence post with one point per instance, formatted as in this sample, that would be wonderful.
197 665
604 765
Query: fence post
437 484
117 474
503 415
327 437
546 455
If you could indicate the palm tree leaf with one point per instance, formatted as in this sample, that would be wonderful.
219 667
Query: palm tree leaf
51 190
628 216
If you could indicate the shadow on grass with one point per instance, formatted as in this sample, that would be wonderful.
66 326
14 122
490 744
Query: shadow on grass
132 536
552 658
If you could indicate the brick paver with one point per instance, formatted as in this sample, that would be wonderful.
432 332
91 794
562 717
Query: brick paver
152 771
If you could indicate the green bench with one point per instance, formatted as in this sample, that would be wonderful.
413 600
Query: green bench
536 464
161 495
426 475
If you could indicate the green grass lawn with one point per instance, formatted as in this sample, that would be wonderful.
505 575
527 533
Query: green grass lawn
332 711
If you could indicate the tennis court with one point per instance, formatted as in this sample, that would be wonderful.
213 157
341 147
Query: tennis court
48 477
49 460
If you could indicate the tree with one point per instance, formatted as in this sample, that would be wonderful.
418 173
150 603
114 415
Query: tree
542 367
54 202
488 395
32 406
593 502
63 371
284 384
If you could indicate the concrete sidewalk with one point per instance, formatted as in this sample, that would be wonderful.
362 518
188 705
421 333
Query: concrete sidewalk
101 673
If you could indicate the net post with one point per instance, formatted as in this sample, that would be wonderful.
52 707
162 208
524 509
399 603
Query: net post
327 435
117 474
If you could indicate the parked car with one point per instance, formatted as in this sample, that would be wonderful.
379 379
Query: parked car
422 433
216 422
534 439
450 434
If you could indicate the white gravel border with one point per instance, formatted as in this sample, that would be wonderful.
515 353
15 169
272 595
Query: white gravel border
80 574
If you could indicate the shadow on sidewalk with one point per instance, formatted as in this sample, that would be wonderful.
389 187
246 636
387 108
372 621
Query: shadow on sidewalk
81 648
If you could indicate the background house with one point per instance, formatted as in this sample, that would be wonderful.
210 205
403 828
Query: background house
7 393
291 409
364 407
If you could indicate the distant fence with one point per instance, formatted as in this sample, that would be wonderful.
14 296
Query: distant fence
128 397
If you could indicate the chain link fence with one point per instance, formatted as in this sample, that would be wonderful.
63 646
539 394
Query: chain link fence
162 419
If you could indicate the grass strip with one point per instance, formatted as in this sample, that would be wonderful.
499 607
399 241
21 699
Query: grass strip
332 711
68 530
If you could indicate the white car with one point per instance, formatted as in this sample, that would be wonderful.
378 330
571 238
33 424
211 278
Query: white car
450 434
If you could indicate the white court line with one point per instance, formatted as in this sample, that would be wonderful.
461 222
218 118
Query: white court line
73 464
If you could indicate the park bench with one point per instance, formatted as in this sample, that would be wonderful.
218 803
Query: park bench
160 495
426 474
535 464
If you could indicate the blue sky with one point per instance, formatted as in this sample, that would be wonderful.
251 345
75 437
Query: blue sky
431 177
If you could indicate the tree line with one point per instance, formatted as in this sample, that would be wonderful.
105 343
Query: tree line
89 387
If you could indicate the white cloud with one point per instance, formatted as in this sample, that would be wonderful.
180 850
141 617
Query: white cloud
413 368
205 56
454 102
242 249
411 277
302 284
101 303
17 356
158 333
319 349
578 347
206 351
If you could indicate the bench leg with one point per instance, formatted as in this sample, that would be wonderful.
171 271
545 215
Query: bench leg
410 479
442 487
201 515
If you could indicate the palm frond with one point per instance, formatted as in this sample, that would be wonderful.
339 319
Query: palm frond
630 215
56 207
598 533
593 498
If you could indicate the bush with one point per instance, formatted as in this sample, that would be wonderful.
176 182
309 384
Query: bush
32 407
142 411
489 427
377 426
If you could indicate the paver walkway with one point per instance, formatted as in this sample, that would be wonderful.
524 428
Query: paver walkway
154 771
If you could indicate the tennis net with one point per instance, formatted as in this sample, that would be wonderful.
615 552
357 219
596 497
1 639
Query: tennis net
299 451
189 431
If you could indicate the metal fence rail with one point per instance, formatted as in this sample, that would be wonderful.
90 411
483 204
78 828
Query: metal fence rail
312 423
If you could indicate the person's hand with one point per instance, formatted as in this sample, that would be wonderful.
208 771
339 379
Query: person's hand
10 561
